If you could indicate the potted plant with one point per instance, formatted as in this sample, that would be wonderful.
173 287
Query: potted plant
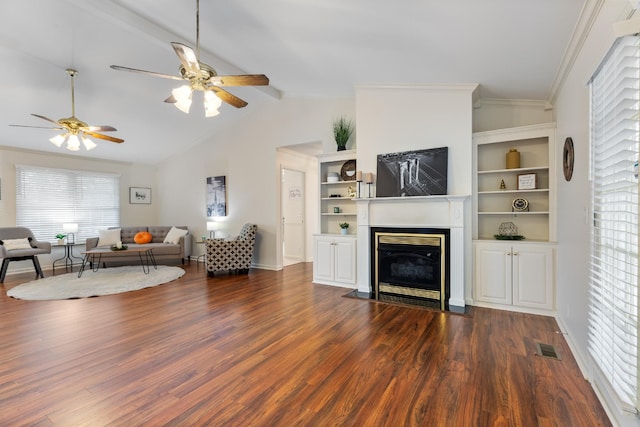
342 130
60 238
344 226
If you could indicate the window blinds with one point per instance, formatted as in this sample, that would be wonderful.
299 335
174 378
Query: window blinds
613 291
46 198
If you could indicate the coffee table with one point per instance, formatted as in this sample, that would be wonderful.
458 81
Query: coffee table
95 256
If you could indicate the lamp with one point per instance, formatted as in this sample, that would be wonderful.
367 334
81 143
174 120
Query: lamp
212 226
182 97
70 229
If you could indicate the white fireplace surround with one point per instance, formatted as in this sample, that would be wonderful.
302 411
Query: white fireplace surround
446 212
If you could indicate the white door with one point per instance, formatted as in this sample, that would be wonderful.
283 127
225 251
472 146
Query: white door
533 276
292 200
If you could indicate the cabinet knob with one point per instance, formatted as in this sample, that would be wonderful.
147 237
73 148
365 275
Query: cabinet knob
515 254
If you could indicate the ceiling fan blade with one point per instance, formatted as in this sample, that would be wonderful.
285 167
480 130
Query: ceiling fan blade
151 73
105 137
228 98
187 57
98 129
45 118
37 127
241 80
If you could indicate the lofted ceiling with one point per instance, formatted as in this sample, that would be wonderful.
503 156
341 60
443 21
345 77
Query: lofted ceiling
512 48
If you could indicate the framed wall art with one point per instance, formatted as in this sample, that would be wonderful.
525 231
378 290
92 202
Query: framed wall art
527 181
139 196
413 173
216 196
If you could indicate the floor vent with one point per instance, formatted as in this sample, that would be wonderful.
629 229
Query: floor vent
547 350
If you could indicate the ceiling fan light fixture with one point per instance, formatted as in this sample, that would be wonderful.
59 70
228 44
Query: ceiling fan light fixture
211 104
88 144
58 140
182 95
73 143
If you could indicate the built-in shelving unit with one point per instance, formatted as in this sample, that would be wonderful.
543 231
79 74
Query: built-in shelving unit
493 205
515 275
336 194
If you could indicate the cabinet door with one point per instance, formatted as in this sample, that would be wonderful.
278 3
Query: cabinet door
533 269
324 257
493 273
345 261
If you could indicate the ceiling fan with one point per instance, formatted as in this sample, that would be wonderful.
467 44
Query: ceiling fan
202 77
72 127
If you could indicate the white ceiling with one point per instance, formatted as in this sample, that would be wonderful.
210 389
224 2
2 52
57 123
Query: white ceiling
512 48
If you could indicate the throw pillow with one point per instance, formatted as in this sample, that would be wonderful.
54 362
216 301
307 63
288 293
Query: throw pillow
15 244
174 235
142 237
109 237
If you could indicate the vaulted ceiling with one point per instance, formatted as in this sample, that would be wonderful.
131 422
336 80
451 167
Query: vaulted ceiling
512 48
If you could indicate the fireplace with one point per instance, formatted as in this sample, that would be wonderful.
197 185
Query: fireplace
411 265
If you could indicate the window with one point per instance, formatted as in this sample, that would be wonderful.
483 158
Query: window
46 198
613 290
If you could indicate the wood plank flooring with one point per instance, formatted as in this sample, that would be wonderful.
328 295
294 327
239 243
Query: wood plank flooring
272 349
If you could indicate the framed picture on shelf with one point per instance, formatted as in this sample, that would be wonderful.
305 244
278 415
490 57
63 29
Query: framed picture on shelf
527 181
139 196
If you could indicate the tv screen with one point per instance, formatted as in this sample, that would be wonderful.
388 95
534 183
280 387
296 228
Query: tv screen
413 173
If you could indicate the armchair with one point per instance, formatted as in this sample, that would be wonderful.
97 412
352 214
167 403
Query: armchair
20 252
232 255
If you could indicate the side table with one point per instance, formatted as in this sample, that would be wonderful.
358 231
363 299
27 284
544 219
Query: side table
68 256
203 256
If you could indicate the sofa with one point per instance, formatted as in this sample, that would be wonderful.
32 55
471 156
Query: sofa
162 252
232 254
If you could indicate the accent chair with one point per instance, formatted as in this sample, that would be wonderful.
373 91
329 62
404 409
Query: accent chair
233 255
19 244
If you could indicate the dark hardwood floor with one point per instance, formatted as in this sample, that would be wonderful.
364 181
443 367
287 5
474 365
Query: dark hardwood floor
272 349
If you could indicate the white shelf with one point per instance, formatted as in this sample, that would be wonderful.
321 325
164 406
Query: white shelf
513 213
338 214
537 190
329 222
519 170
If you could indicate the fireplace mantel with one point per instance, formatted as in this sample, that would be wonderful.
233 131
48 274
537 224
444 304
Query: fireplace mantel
448 211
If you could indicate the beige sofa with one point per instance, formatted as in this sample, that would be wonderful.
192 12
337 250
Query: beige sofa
162 252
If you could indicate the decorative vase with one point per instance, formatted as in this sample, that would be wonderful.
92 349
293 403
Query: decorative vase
344 230
513 159
342 147
61 241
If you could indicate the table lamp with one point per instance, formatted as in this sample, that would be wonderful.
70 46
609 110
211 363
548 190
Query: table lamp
212 226
70 229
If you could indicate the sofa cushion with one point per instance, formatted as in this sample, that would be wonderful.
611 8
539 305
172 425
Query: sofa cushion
142 237
174 235
128 233
158 232
109 237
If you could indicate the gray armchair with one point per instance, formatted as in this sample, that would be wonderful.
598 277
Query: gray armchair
232 255
20 254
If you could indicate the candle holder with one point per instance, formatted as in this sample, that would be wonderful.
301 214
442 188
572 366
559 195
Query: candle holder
369 180
358 182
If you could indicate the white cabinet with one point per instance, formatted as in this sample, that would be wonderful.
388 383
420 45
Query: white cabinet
334 261
514 274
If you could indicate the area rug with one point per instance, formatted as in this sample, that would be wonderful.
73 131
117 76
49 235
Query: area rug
106 281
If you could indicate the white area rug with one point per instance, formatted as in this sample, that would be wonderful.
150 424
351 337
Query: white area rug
106 281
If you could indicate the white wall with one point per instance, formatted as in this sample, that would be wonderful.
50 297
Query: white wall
246 155
131 175
572 117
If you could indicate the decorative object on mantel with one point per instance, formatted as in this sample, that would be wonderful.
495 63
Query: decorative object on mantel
342 130
359 181
344 227
513 159
368 180
508 231
413 173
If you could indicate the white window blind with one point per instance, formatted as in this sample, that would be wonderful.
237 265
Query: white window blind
613 291
46 198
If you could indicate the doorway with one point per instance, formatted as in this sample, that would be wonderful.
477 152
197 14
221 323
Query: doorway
293 213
